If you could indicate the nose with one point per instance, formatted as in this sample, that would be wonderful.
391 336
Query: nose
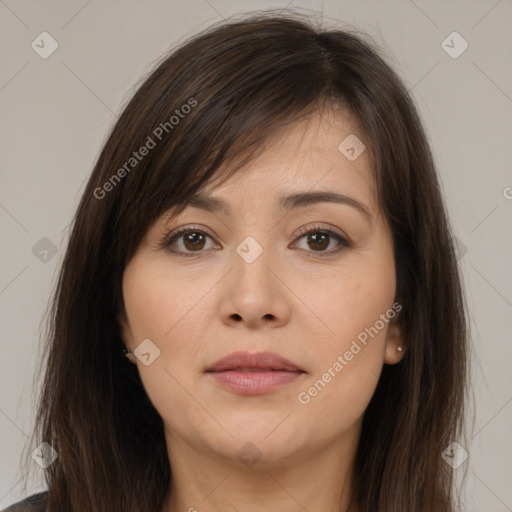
253 294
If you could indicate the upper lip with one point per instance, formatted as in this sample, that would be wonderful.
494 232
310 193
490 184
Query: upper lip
261 360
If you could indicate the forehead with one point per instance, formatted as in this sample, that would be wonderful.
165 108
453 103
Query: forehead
309 154
301 164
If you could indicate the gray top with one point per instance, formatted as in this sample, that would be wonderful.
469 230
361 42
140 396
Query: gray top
34 503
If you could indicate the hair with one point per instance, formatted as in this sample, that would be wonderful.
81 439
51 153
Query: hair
242 80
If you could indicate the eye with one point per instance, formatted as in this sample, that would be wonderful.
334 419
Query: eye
319 238
192 239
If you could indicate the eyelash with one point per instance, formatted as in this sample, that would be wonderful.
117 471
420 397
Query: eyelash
169 239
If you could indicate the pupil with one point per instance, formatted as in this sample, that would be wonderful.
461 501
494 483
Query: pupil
319 235
193 239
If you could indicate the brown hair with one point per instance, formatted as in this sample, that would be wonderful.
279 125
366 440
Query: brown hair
241 80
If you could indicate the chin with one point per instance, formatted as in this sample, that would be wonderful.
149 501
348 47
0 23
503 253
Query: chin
265 442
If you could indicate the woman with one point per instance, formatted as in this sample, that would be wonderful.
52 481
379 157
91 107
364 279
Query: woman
264 238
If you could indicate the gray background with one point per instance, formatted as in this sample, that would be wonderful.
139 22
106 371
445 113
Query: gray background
57 111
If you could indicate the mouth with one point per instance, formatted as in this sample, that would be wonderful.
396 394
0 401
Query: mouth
254 370
246 362
254 374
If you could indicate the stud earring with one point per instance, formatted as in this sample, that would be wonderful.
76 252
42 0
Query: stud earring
125 351
399 348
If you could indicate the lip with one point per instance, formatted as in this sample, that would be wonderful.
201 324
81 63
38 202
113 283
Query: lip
260 360
254 374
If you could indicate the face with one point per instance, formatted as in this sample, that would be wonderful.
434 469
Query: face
311 282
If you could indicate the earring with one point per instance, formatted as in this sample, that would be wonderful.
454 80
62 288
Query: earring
126 352
399 348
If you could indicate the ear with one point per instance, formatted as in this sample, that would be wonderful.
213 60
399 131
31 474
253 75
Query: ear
124 328
126 335
395 341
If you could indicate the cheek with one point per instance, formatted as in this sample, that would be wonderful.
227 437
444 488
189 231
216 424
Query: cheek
347 361
158 301
346 367
351 300
169 311
158 308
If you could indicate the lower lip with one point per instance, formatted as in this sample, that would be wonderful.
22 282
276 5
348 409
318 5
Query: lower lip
254 383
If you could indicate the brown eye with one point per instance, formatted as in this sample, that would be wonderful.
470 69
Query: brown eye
188 240
185 241
318 240
193 240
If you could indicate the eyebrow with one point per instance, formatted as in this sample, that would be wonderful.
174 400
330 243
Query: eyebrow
285 203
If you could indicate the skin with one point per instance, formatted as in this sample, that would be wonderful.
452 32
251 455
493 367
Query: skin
305 307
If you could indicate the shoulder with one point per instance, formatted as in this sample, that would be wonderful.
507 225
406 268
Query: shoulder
34 503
